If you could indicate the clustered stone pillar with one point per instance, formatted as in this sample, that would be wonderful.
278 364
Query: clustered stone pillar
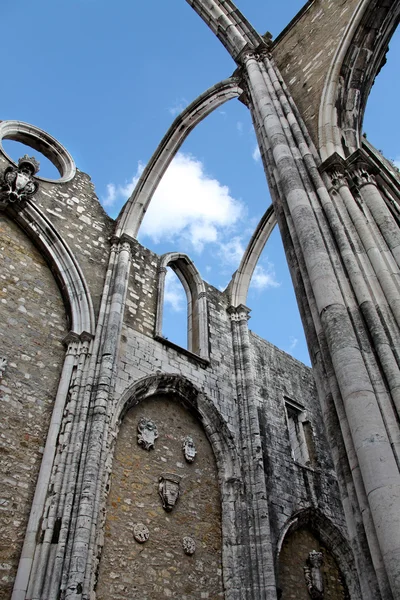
299 186
258 580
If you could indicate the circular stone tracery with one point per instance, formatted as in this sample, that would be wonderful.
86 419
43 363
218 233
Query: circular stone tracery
42 142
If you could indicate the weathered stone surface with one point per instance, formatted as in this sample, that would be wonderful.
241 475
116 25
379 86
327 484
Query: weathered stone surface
160 568
32 327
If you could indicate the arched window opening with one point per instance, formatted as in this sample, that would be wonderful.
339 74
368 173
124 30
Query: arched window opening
174 311
177 271
381 124
16 150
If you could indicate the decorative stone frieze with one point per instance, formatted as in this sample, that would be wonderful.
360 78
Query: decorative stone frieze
188 545
18 185
169 491
141 533
147 433
189 449
313 575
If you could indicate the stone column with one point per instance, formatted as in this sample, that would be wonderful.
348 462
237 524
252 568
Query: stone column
379 469
258 580
364 177
82 545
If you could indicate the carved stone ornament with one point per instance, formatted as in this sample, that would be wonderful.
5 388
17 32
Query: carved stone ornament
188 545
189 449
17 184
313 575
140 533
147 433
169 491
3 364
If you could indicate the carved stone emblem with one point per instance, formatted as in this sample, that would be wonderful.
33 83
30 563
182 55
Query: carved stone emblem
169 491
313 575
147 433
188 545
17 184
3 364
140 533
189 449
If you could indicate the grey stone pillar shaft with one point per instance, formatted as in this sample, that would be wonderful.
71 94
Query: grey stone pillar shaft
382 216
257 551
86 517
368 433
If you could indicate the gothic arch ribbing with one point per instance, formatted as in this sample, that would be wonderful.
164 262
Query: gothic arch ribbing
356 63
64 266
134 210
242 278
229 25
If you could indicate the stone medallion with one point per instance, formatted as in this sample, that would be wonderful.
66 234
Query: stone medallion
188 545
140 533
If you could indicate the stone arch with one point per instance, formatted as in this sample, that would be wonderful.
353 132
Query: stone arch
196 300
222 443
239 286
133 212
216 428
63 264
356 63
229 25
324 530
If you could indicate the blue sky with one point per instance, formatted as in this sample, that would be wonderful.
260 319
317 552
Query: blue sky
107 79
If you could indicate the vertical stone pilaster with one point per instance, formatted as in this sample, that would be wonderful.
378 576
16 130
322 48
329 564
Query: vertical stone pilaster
258 578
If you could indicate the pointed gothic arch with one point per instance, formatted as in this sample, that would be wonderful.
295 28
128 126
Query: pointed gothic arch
133 212
222 441
196 296
355 64
239 286
63 264
331 537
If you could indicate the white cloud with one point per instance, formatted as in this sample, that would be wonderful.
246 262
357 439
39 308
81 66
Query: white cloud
174 294
179 105
231 252
256 154
121 192
239 126
293 343
264 278
189 205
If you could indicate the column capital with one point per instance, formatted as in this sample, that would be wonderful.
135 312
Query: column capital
360 169
239 313
335 168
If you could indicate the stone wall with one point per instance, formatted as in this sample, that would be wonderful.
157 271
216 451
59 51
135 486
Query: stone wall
304 52
159 568
32 327
292 486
